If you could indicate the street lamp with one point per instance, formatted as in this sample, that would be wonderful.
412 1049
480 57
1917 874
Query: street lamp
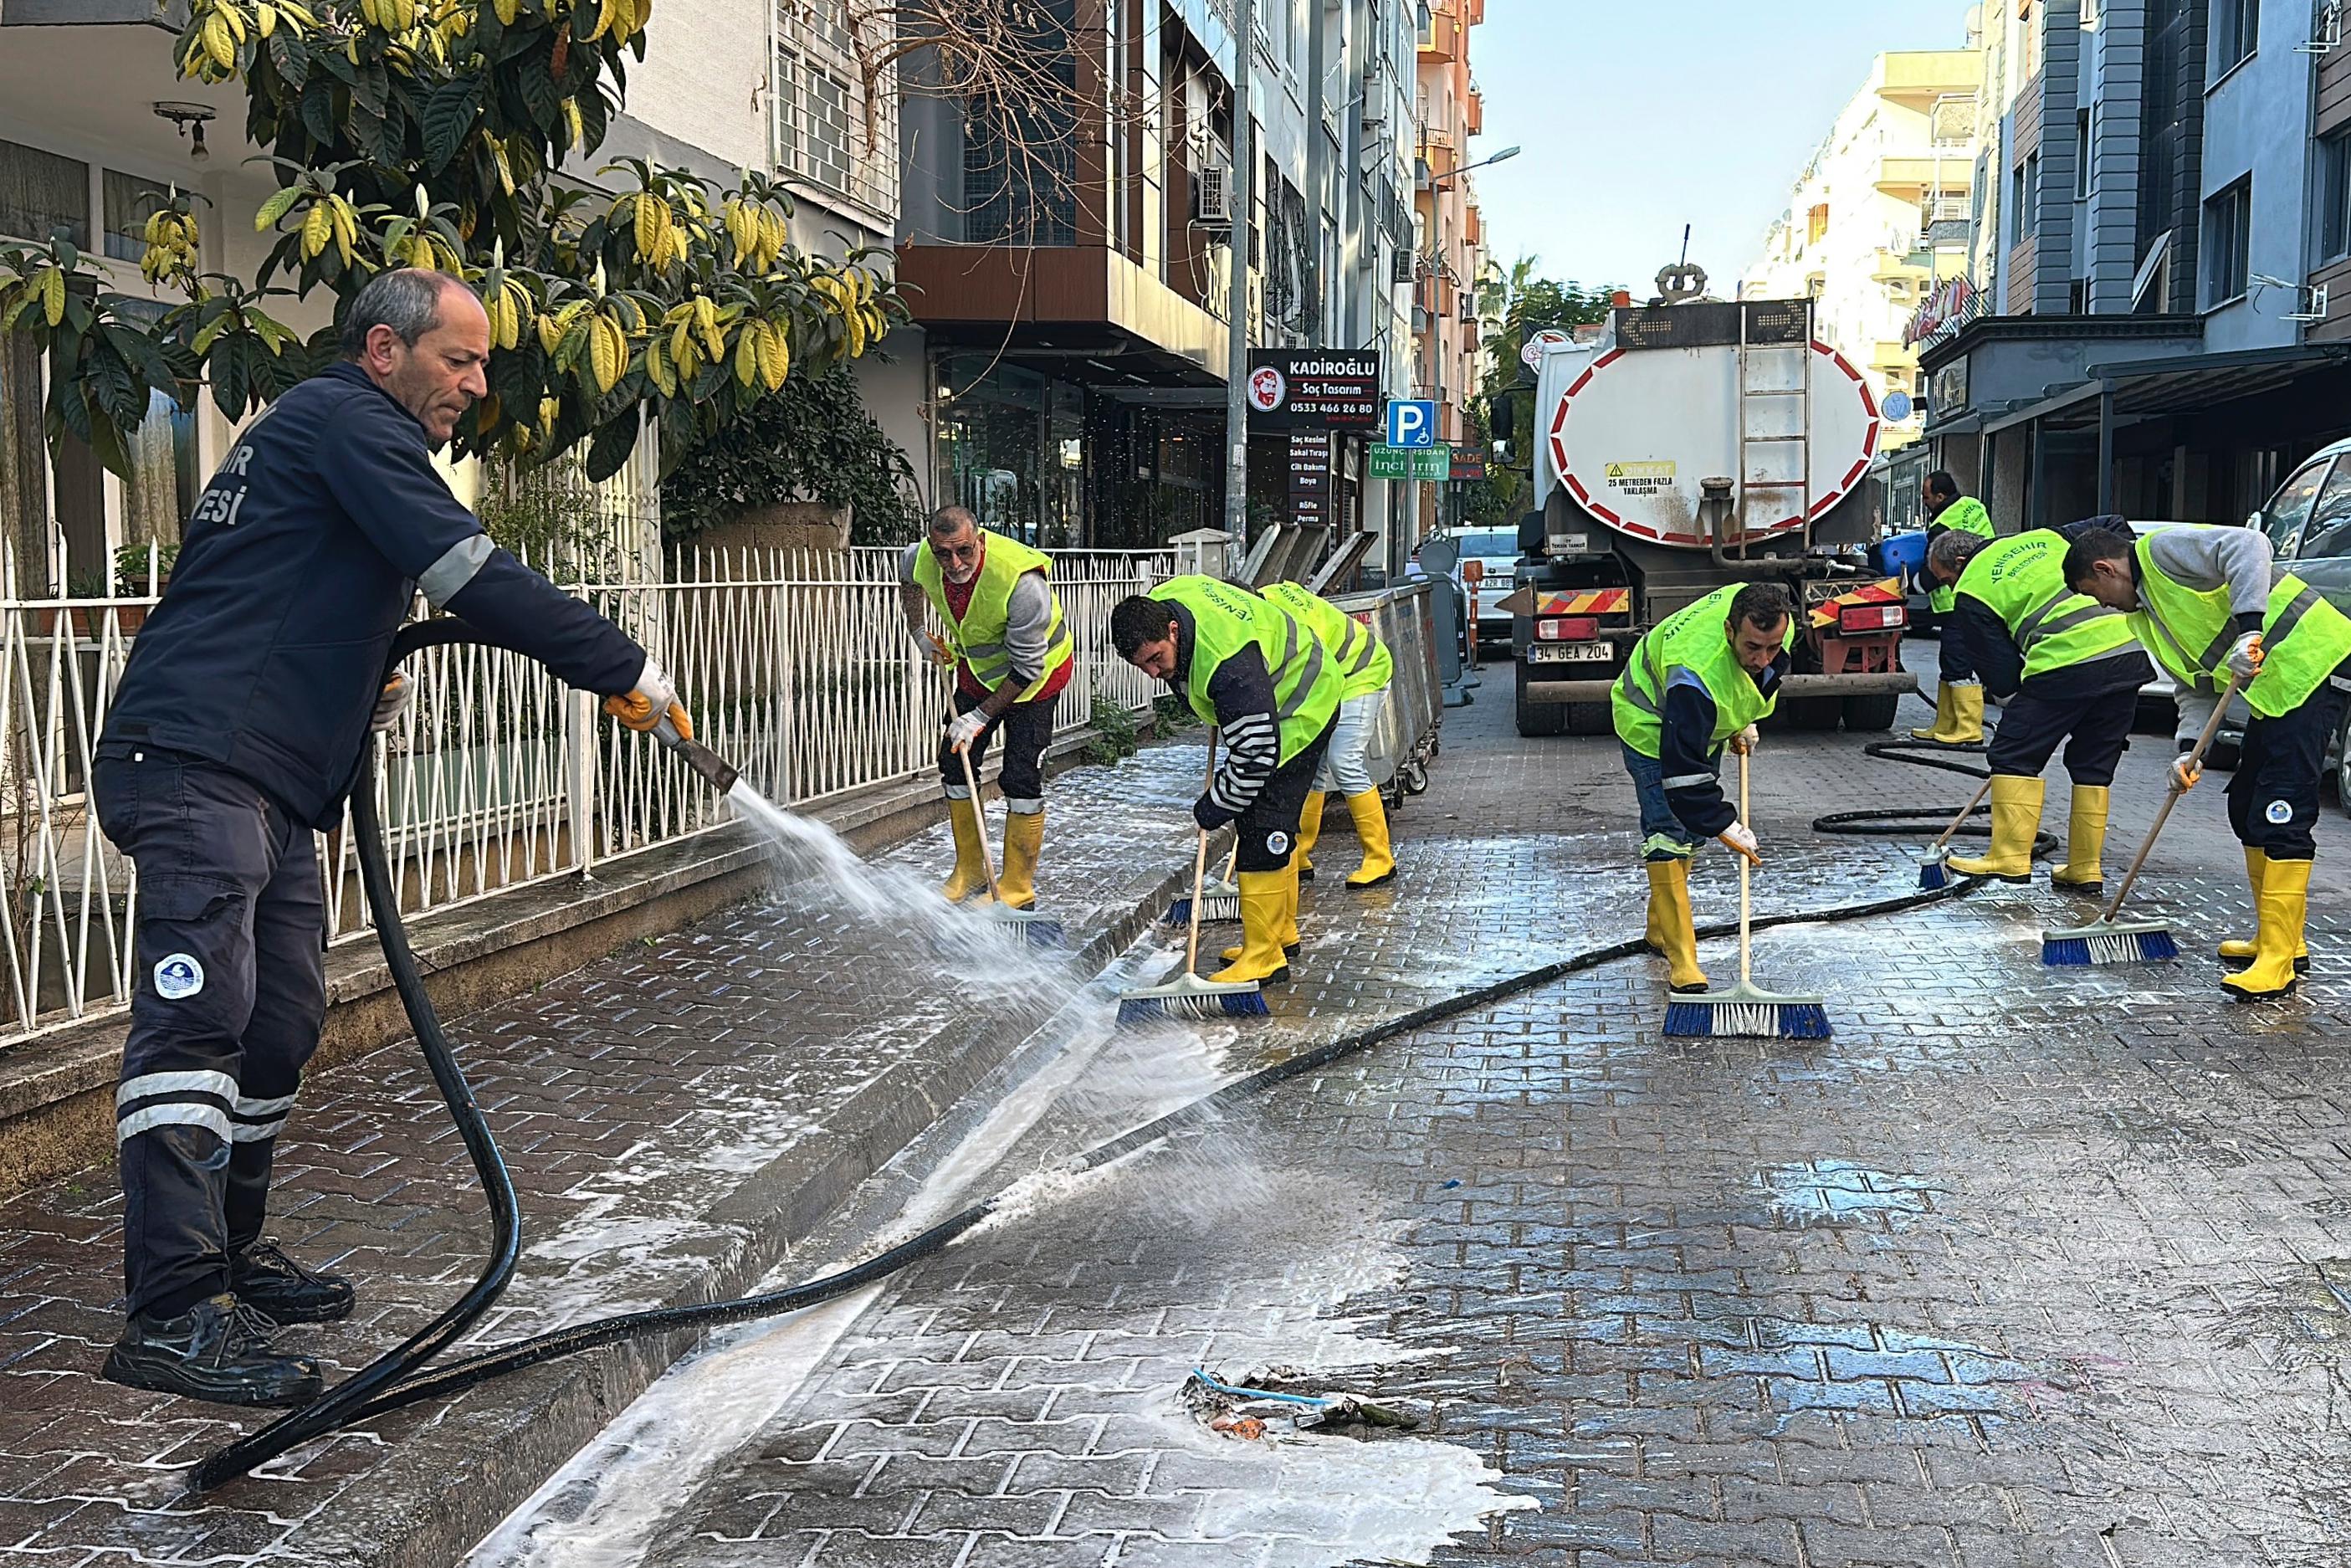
1506 152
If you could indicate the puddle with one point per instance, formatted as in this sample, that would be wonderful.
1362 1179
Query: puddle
1833 1192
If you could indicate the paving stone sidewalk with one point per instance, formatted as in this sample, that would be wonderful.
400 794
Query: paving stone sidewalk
2024 1267
673 1118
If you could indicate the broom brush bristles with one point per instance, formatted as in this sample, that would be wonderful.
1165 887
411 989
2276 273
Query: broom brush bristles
1197 1000
2088 948
1935 875
1215 908
1743 1013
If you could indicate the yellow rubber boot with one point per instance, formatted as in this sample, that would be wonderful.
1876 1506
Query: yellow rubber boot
1309 829
1660 929
2085 842
1942 715
2285 900
1288 930
1669 916
1024 841
2015 819
971 863
1265 902
1372 825
1966 725
2257 863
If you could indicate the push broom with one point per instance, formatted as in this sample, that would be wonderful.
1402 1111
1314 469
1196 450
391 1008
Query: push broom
1936 874
1036 930
1187 995
1745 1011
2107 941
1218 900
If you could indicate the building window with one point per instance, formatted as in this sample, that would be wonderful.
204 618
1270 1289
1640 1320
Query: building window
1817 224
42 193
826 128
2227 232
2236 27
2082 146
2334 196
130 201
2024 195
784 105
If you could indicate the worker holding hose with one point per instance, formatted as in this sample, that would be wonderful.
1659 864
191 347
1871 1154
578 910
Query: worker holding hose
1959 694
238 728
1695 684
1366 666
2067 670
2205 601
1012 653
1263 678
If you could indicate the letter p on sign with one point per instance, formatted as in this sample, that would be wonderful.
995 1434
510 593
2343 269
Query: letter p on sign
1412 422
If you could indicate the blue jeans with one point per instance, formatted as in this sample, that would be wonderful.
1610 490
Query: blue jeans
1662 837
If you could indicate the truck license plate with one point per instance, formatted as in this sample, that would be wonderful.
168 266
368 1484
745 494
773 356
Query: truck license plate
1569 653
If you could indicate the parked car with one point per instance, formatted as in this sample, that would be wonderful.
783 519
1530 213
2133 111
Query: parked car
2308 521
1496 551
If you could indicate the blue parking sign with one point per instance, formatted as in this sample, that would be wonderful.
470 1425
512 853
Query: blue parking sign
1412 423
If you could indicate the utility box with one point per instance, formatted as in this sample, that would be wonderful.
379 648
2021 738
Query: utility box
1205 551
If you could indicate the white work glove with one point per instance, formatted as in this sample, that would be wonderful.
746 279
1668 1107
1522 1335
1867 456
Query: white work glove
653 699
390 704
1745 740
1740 840
964 728
2244 660
926 642
2185 773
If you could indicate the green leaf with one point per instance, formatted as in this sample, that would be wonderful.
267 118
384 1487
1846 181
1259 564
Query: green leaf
106 444
276 208
449 115
608 454
226 363
319 108
541 99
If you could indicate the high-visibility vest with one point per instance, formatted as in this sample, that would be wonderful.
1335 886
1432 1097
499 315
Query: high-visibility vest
2304 638
1967 516
1692 644
1227 619
2021 579
978 637
1366 664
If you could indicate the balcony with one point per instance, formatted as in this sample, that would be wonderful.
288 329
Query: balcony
1476 113
1891 356
1442 44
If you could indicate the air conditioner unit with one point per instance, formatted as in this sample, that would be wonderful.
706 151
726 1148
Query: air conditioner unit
1212 202
1406 269
1376 100
2326 29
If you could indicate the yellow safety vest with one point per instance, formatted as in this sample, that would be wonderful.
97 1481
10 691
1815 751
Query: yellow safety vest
977 638
1227 619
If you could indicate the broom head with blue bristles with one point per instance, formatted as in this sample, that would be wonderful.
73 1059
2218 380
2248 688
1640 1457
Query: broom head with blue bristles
1189 997
1221 902
1745 1012
1935 875
2109 942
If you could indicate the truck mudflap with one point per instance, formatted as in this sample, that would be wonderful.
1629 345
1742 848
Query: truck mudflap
1895 682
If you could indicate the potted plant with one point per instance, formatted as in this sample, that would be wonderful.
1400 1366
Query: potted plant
141 569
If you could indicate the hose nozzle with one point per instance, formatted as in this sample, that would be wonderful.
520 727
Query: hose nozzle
716 771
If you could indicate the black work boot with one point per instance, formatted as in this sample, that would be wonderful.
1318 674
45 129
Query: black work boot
215 1351
262 1278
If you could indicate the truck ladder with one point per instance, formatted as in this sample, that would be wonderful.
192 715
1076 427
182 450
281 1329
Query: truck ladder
1753 401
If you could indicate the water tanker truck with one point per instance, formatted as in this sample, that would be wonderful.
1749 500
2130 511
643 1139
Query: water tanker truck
1681 446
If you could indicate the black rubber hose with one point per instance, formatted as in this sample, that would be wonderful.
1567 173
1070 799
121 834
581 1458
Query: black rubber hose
342 1404
395 1380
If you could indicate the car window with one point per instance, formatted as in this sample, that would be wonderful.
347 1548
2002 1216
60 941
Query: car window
1489 545
2290 507
2328 532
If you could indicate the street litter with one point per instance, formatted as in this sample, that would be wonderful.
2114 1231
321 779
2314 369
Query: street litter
1243 1411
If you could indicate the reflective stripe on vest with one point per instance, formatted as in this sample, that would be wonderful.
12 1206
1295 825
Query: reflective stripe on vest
1364 662
1695 638
2304 637
1225 619
2021 579
977 638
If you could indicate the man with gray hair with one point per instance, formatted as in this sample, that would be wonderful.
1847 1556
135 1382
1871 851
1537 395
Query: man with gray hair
1012 657
238 729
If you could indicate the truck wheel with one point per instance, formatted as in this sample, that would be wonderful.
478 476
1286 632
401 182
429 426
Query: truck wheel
1536 719
1590 718
1813 712
1874 712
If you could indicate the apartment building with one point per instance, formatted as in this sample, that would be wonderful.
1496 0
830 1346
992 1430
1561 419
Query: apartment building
1878 219
1448 356
2160 239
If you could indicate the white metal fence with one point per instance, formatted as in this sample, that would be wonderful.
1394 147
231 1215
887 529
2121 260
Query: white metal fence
796 667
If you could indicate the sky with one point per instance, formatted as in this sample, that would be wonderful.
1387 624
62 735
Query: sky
1637 118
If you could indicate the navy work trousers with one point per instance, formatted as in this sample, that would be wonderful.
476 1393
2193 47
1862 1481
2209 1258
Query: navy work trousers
229 991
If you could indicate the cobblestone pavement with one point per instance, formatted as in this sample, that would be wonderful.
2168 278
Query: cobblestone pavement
630 1098
2023 1267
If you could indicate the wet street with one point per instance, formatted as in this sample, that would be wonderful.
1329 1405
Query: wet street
2024 1266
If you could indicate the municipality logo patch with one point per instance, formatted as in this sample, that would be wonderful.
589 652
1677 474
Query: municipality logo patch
1277 844
179 976
2279 811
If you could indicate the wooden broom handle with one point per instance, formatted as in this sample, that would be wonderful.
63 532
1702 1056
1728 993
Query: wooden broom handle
1746 871
1966 811
2195 760
1200 869
987 856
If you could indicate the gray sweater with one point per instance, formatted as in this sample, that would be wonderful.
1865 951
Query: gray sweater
2204 557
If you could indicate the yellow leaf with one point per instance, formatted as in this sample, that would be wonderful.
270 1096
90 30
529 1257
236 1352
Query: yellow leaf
507 10
650 214
318 227
746 356
53 294
217 43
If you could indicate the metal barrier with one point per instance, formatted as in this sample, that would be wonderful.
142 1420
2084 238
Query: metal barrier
1405 737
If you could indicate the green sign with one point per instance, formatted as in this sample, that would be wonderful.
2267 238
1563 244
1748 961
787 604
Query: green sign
1411 463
